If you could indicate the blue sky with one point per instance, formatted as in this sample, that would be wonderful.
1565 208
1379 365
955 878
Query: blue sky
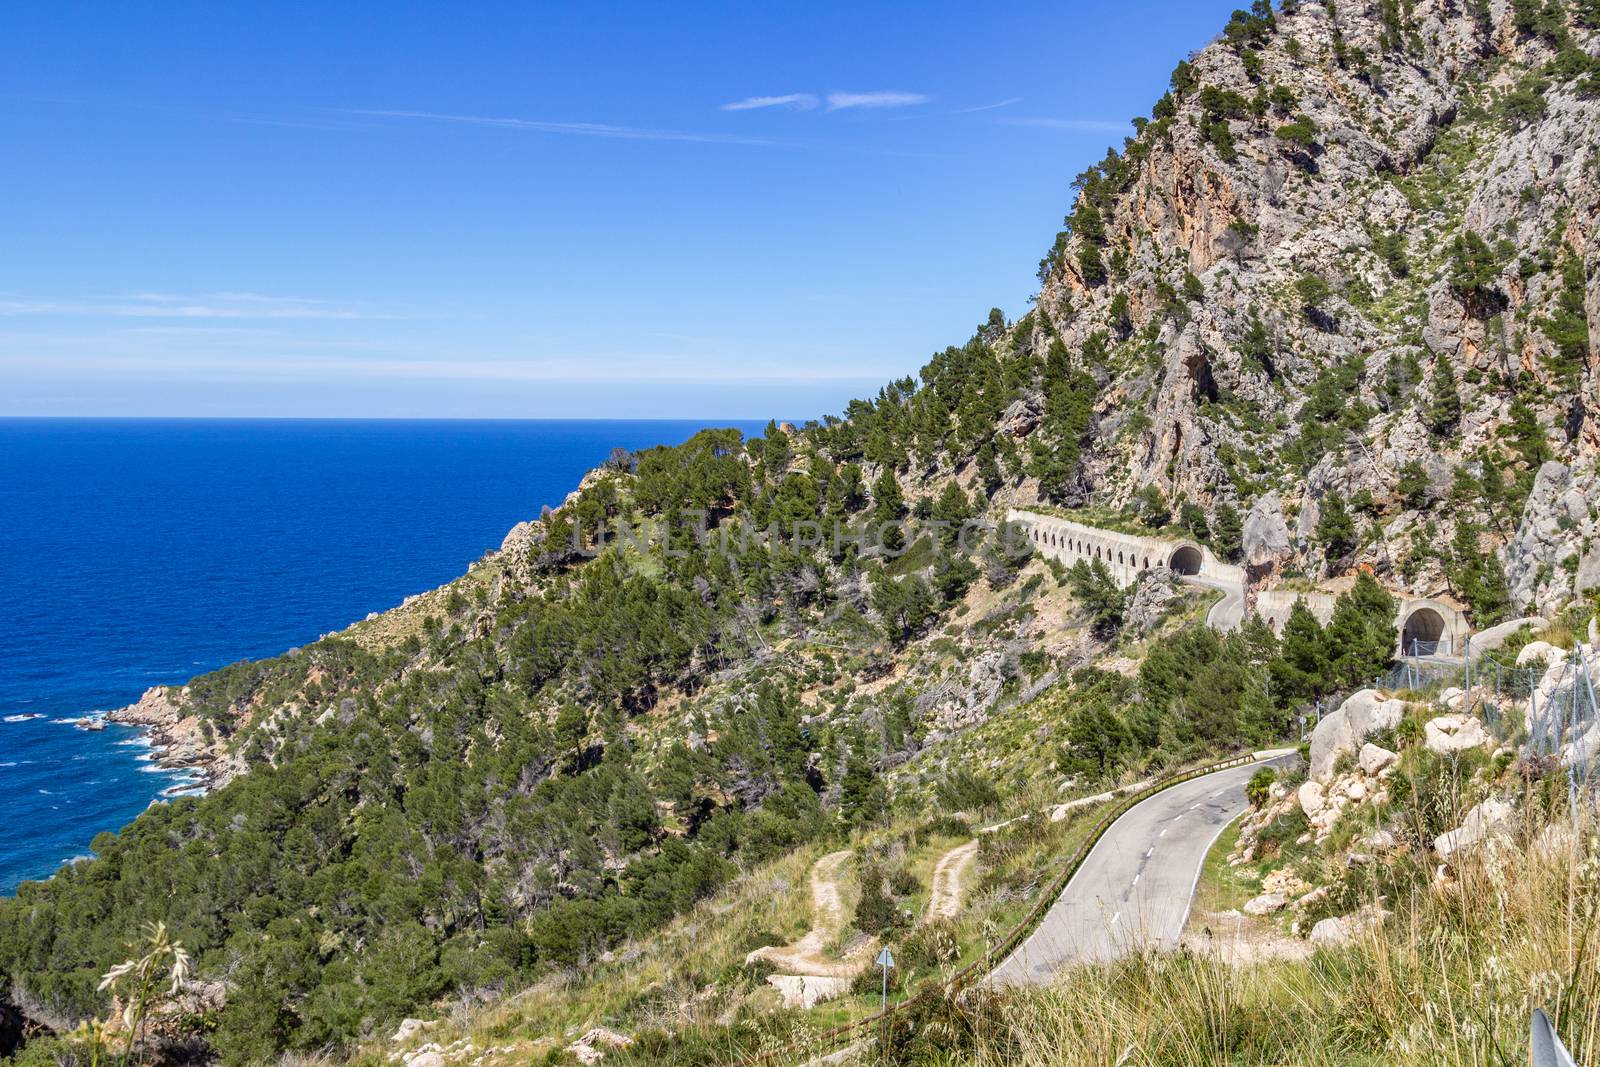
514 210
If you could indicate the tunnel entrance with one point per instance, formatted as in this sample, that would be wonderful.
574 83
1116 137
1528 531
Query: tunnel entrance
1423 634
1186 560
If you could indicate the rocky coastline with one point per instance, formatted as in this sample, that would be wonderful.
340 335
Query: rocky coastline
177 736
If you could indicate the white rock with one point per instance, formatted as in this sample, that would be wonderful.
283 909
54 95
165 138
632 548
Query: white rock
1484 821
1364 713
1315 895
1449 734
1330 932
1311 798
407 1029
1381 840
586 1049
1376 758
1540 653
425 1059
1265 904
1452 697
1342 930
1355 789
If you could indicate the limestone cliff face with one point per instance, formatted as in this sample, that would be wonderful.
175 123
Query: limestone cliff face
1353 146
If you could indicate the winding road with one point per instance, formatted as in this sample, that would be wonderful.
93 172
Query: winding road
1137 883
1226 614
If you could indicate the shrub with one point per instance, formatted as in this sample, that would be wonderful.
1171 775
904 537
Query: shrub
1256 790
929 945
875 912
962 790
1302 132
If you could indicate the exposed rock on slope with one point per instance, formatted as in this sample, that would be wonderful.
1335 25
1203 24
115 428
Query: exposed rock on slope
178 736
1351 259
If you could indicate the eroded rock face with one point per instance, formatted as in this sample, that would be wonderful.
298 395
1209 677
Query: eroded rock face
176 733
1266 535
1252 219
1157 589
1553 555
1363 714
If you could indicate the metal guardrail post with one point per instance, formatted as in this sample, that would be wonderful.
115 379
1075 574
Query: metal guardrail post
1544 1044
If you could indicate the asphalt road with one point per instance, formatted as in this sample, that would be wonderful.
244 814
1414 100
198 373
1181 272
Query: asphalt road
1228 613
1135 887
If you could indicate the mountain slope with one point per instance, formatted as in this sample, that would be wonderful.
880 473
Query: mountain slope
1352 260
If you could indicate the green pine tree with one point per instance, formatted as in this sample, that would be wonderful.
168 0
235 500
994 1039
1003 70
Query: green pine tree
1444 407
1361 635
1300 670
1227 533
1336 528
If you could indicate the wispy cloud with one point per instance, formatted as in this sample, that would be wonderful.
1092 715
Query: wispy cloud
878 99
285 364
1007 102
579 129
1079 125
792 101
207 306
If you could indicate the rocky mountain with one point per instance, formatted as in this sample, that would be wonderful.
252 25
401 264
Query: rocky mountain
1352 259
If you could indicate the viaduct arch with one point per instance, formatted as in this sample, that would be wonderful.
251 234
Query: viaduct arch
1424 625
1125 555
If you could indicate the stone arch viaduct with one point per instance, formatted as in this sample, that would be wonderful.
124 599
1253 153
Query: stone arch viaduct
1427 626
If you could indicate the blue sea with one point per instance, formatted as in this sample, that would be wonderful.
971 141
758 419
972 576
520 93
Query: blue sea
140 552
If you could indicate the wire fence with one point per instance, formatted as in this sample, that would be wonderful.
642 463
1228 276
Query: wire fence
1550 709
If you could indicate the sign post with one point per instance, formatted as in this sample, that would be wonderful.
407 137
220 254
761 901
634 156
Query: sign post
885 960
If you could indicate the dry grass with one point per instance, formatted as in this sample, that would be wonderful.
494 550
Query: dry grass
1451 979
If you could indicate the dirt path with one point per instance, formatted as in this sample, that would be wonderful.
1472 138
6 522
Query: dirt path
807 956
944 902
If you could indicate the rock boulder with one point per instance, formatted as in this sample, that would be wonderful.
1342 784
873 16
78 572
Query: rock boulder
1484 822
1364 713
1265 904
1449 734
1375 759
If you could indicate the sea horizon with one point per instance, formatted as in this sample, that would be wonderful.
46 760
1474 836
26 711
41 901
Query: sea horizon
148 550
